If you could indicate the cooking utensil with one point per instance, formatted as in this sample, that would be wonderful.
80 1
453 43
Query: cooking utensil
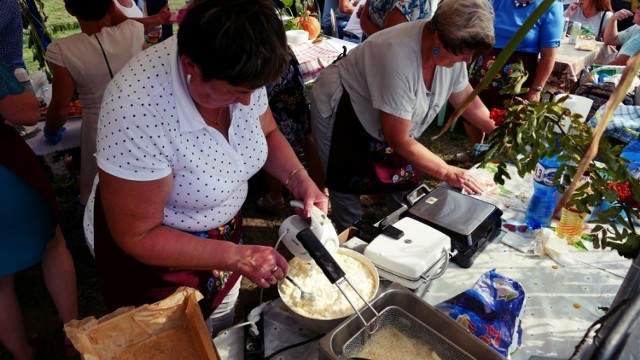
319 225
414 317
304 295
333 272
323 323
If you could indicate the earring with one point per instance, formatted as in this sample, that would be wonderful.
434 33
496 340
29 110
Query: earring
188 78
436 51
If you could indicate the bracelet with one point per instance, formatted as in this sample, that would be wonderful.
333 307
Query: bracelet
537 88
292 174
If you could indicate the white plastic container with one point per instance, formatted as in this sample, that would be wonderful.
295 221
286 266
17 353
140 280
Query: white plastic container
578 105
295 37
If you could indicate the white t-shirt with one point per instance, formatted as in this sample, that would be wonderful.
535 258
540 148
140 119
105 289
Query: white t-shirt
150 128
385 73
592 22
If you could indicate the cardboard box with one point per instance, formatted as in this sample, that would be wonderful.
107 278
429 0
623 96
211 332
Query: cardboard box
169 329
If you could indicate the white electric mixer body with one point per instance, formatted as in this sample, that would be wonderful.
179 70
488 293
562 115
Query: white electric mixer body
319 224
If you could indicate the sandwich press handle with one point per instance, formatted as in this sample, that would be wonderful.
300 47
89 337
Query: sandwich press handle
321 255
413 196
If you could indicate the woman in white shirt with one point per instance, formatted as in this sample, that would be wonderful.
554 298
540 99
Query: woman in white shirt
592 14
396 82
182 129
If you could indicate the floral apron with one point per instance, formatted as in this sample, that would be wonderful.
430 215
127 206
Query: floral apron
361 164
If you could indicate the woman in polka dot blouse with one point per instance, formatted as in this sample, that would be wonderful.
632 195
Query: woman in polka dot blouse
182 129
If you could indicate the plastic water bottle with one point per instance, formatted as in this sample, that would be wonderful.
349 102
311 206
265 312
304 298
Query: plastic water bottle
23 76
543 200
631 152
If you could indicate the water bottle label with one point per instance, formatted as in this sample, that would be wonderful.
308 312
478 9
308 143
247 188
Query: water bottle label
634 169
544 176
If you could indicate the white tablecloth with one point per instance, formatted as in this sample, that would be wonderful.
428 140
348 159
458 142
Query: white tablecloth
70 138
561 301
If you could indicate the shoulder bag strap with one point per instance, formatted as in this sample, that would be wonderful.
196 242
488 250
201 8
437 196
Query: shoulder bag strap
599 37
104 55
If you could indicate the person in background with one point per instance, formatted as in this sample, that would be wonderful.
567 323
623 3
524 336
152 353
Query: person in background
30 231
352 28
86 62
592 14
290 110
11 34
381 14
373 104
628 40
155 7
537 52
182 129
377 15
127 9
342 10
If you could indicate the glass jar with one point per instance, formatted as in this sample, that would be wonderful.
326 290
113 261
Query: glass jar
570 225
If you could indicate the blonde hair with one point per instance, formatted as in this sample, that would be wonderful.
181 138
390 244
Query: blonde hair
464 25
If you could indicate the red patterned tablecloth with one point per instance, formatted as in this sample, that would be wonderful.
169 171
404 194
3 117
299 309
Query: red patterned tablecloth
315 56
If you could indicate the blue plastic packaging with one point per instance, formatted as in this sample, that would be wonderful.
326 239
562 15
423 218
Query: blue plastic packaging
544 199
491 310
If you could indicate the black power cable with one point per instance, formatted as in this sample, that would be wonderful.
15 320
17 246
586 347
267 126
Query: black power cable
293 346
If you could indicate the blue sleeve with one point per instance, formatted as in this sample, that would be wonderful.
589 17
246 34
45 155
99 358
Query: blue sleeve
9 85
631 46
11 35
551 29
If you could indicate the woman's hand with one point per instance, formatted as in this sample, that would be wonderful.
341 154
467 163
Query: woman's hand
263 265
164 15
532 95
304 188
573 7
462 179
621 14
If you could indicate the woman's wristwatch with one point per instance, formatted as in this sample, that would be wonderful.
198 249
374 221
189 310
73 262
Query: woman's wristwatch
537 88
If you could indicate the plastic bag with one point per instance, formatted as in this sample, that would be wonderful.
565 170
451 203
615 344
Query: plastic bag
491 310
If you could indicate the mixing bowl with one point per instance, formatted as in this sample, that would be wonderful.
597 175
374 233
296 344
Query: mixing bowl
320 324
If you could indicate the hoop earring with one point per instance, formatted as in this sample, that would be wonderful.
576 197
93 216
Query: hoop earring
188 78
436 51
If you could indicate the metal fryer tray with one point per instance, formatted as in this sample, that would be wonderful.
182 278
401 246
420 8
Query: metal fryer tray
411 327
332 345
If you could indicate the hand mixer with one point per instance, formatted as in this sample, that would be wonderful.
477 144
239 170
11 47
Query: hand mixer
317 240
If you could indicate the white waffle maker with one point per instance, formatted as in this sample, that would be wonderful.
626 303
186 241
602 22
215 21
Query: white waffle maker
419 256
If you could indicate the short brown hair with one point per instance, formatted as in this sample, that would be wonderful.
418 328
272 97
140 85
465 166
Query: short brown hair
464 25
241 42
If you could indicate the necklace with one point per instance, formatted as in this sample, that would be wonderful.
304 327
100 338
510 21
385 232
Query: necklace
216 121
522 4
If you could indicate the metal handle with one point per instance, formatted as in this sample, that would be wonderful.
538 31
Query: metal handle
412 197
321 255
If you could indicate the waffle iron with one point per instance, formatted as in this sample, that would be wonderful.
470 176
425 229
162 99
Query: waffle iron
470 222
420 255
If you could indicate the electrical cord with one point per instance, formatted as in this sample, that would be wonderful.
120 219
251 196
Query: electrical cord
279 351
